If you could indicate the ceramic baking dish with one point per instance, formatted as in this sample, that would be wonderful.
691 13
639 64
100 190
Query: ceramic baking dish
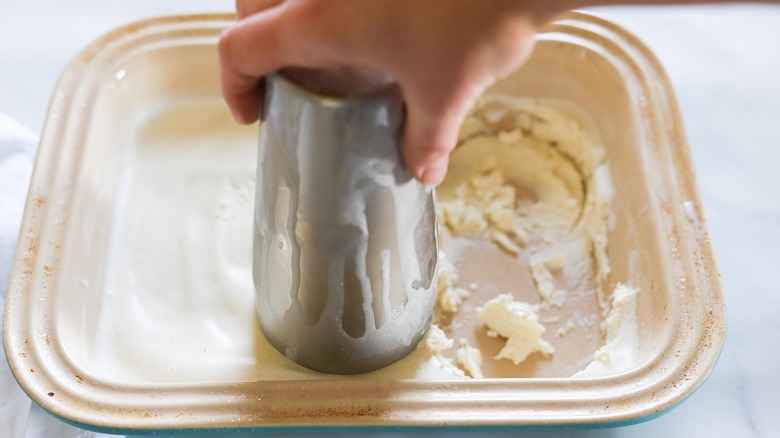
659 244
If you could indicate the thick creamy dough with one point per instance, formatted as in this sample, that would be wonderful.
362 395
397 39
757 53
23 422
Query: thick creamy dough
622 336
518 322
527 181
469 359
529 176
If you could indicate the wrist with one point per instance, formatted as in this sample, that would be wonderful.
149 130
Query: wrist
544 12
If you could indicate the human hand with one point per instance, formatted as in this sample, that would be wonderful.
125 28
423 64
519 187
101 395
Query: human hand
442 54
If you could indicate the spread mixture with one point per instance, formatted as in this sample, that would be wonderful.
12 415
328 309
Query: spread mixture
524 216
524 287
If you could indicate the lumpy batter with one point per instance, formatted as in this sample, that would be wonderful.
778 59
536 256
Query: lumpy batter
524 214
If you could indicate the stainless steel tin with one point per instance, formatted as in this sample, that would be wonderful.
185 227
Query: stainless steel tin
345 249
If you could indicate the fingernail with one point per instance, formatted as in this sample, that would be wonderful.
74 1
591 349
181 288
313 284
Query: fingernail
435 173
239 118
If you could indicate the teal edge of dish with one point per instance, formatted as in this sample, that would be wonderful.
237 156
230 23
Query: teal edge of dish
365 429
369 429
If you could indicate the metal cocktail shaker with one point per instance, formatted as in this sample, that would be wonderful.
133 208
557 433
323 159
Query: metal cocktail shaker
345 240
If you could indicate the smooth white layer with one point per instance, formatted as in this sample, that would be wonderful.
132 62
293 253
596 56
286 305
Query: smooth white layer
178 302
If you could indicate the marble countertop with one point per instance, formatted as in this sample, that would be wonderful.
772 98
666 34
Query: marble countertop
724 63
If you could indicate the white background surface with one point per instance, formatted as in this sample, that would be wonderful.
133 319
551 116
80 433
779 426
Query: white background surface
724 63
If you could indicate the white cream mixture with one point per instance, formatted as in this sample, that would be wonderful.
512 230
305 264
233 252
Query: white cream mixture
518 322
530 177
178 293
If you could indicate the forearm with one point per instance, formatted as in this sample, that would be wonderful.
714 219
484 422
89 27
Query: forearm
574 4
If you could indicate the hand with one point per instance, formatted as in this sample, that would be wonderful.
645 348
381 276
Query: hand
443 55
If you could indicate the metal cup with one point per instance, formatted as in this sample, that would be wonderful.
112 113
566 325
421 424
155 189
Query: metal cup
345 240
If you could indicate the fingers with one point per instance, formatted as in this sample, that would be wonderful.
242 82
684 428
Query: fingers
245 8
249 50
431 133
